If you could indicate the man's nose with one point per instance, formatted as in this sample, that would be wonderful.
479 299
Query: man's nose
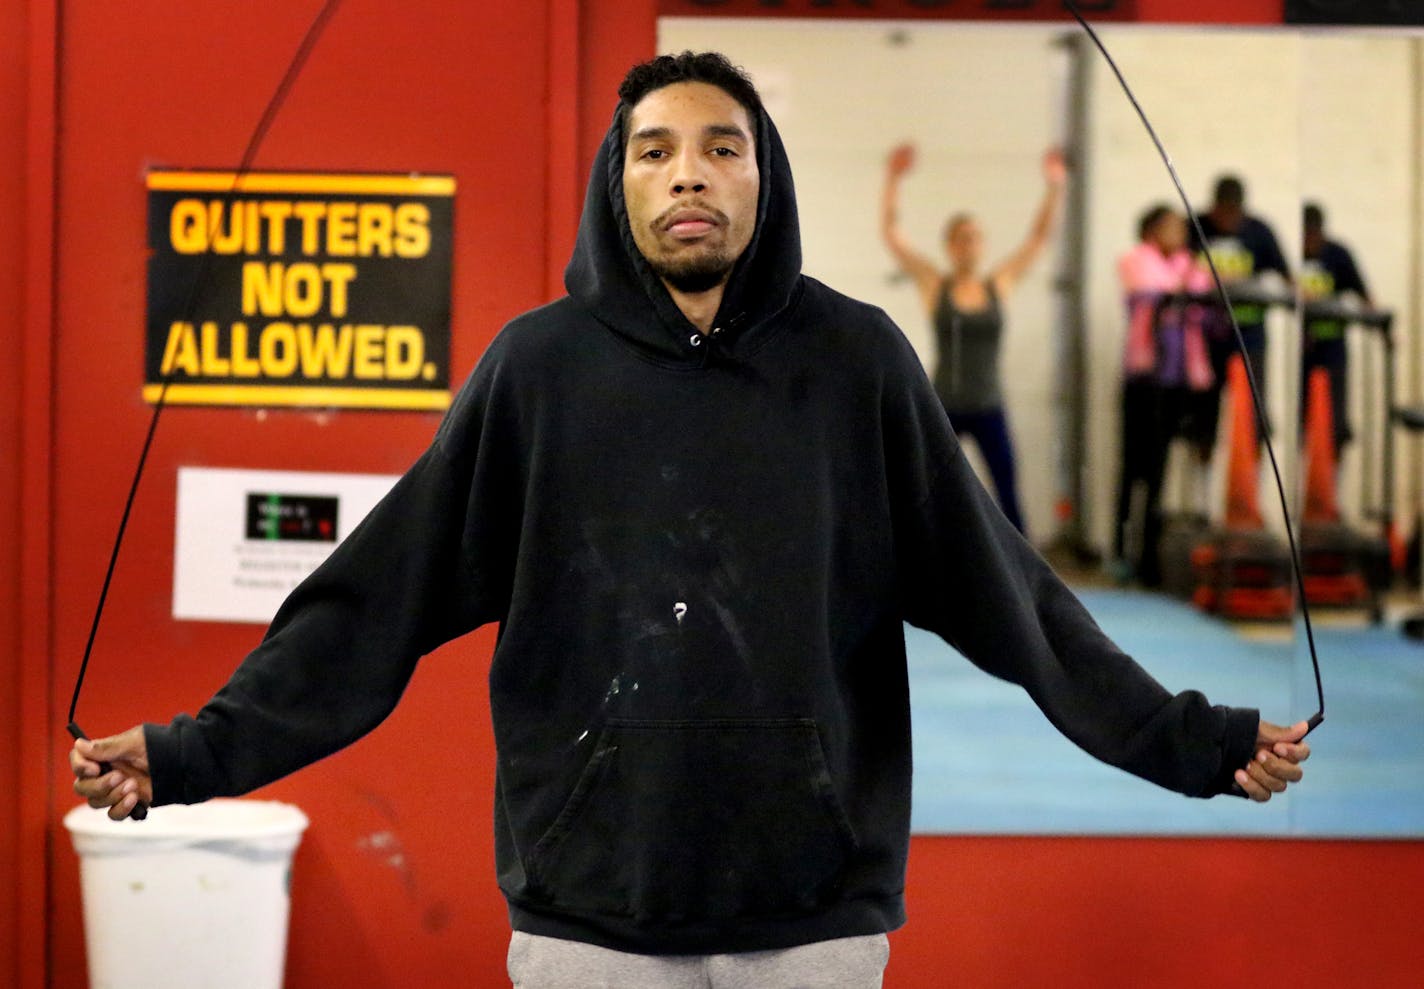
689 174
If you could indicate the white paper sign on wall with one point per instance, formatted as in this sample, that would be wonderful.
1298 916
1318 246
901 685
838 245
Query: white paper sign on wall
245 538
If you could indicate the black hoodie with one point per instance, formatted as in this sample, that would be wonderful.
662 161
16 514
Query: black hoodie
701 552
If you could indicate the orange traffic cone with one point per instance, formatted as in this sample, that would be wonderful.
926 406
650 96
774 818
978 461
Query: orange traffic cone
1321 505
1243 510
1398 548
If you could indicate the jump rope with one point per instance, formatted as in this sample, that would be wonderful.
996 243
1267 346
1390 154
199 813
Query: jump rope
259 133
1258 404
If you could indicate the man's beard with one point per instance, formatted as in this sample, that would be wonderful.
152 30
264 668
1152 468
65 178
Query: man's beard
695 274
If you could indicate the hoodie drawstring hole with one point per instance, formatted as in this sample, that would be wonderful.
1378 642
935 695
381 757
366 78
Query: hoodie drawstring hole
695 340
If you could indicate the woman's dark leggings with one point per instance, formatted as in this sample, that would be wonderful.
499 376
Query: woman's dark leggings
990 430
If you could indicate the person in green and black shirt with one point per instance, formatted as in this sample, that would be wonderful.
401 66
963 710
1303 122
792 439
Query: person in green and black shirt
1243 247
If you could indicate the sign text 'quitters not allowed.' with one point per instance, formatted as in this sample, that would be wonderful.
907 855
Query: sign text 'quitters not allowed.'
299 289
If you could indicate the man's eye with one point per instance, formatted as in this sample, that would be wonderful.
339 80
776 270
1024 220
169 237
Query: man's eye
725 152
654 154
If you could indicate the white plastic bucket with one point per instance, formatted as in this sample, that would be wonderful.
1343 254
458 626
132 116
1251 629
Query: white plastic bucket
196 896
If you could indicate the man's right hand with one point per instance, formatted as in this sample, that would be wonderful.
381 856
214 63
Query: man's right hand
125 784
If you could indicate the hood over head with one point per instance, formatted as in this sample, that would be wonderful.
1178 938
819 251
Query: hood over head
609 275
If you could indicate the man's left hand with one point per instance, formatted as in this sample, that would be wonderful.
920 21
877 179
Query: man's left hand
1279 753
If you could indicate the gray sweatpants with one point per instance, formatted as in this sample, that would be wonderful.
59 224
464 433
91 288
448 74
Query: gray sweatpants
537 962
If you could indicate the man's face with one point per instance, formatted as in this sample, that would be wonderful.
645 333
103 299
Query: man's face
1314 241
690 183
1228 215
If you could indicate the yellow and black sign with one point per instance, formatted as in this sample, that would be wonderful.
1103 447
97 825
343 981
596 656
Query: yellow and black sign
292 289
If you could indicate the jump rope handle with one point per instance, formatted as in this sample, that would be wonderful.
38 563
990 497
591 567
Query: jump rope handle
140 810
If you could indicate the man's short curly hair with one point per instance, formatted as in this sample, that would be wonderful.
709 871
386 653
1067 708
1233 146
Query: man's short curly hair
708 67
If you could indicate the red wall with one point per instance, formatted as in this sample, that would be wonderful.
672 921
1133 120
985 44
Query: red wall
511 98
1212 11
1163 11
1004 913
12 203
26 201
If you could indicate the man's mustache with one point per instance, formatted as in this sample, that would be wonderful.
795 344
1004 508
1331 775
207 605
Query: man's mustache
665 219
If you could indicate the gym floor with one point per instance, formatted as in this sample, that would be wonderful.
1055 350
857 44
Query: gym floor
987 761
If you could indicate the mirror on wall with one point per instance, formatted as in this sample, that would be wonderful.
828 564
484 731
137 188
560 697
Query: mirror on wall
1277 116
1362 178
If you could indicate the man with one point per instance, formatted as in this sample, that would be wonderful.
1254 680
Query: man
701 495
1243 248
1329 272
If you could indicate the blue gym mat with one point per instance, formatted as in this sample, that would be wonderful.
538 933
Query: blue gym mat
987 761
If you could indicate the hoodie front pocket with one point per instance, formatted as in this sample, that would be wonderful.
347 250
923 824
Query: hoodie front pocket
689 821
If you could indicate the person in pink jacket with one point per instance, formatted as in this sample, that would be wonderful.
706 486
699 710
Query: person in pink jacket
1165 362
